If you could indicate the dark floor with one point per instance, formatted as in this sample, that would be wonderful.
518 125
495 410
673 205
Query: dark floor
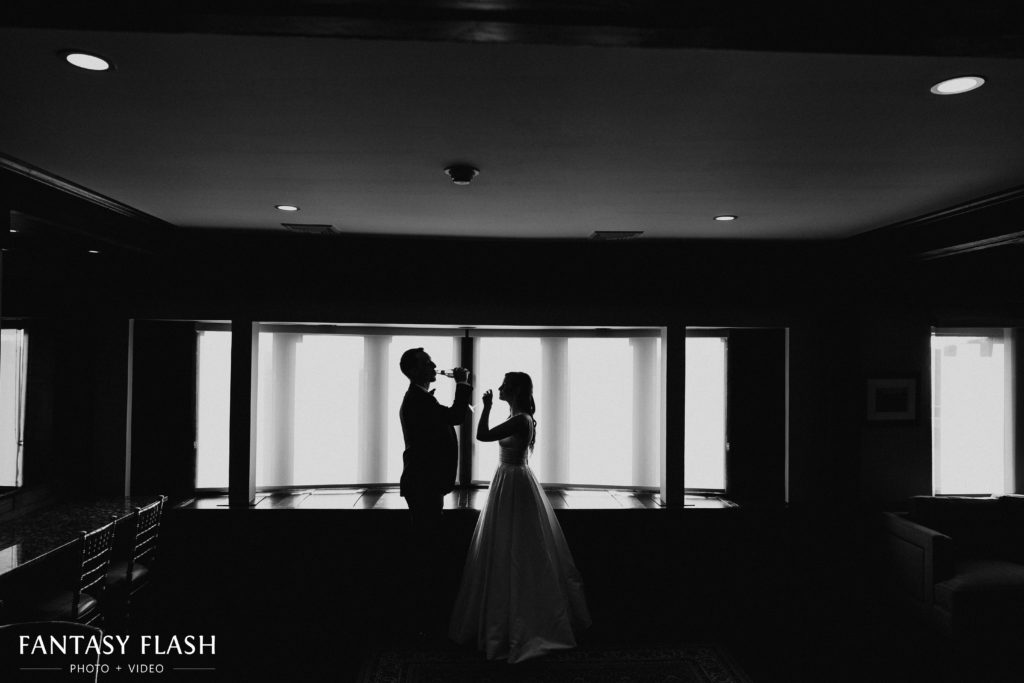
794 597
833 649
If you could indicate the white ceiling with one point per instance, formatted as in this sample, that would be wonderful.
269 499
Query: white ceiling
211 131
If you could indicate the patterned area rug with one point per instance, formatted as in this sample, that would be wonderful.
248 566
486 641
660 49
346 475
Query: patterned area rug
667 664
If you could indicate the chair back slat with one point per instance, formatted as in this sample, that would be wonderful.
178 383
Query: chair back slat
147 533
94 559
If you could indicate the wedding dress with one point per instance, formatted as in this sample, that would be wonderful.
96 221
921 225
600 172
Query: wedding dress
521 595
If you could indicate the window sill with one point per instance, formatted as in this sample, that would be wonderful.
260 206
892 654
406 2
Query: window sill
378 498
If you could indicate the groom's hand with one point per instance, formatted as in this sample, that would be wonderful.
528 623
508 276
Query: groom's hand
460 375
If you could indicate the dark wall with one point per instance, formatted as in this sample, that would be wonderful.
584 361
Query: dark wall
897 304
824 427
107 398
895 457
756 389
163 408
378 280
42 404
851 316
76 398
408 279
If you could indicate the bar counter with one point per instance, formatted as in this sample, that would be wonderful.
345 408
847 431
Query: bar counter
34 537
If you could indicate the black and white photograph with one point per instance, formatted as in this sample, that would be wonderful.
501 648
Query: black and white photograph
380 341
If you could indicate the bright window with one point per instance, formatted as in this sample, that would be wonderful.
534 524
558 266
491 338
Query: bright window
328 405
494 357
601 412
598 409
13 366
972 408
212 408
309 410
705 441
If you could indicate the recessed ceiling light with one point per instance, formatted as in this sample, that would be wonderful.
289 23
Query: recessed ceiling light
725 218
955 86
93 251
14 230
286 207
84 60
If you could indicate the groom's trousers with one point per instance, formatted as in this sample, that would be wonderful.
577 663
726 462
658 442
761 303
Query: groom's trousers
427 550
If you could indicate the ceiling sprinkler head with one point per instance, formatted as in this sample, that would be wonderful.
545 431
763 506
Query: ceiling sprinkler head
461 174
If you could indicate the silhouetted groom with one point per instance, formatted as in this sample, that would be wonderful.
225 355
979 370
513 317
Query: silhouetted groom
431 449
430 461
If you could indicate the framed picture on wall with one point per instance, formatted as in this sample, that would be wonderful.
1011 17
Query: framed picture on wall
892 399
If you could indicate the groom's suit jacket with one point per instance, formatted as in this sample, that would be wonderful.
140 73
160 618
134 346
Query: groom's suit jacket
431 449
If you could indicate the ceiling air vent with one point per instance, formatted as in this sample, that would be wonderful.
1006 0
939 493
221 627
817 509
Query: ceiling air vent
311 228
615 234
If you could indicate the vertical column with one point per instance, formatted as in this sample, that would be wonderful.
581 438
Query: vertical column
646 411
373 428
279 423
242 423
128 411
786 427
5 228
1009 411
673 410
553 430
935 414
1017 349
467 358
756 415
107 348
5 238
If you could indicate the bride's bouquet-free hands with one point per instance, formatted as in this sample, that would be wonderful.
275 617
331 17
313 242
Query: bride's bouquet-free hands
487 398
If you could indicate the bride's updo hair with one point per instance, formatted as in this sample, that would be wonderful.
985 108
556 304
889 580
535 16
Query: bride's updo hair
520 386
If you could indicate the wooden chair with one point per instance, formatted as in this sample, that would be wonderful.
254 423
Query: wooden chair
82 602
130 574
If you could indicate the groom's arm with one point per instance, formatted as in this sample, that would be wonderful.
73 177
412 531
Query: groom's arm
457 411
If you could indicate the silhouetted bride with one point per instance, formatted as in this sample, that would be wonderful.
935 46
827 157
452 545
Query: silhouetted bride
521 595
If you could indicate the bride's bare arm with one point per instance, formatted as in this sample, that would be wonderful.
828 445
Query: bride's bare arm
485 416
506 428
509 427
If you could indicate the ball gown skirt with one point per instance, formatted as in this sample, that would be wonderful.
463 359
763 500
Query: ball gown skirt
521 595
